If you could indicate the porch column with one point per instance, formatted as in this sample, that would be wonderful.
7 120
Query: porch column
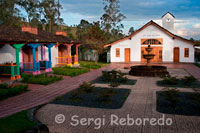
49 51
69 62
77 55
35 70
17 47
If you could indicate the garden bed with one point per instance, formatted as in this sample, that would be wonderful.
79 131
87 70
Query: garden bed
186 82
42 79
100 80
7 91
184 103
96 98
69 71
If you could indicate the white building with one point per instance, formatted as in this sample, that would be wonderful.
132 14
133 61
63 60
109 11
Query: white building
167 46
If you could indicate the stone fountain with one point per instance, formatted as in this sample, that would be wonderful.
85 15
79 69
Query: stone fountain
148 69
148 56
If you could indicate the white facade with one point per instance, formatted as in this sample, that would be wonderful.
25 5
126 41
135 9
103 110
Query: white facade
152 32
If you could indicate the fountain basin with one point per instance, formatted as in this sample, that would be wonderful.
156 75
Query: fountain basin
150 71
148 56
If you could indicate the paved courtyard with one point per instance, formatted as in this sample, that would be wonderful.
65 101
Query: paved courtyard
141 103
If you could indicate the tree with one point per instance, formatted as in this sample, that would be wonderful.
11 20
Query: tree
131 31
112 17
50 10
191 39
32 8
82 29
97 37
9 13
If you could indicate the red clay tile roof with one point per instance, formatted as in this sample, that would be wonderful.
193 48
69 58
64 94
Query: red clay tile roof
158 26
13 35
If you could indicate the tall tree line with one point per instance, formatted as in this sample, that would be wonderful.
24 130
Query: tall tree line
39 13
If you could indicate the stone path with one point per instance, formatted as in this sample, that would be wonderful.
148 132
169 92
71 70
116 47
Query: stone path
141 103
43 95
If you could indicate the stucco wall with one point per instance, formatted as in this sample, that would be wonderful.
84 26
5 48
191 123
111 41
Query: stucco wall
54 54
182 45
148 33
7 54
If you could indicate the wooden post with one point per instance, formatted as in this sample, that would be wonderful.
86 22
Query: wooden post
69 57
12 71
77 55
49 46
17 47
35 70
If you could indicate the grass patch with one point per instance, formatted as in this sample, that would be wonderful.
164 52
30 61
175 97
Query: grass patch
198 65
42 79
179 103
17 123
69 71
9 91
186 82
92 65
96 97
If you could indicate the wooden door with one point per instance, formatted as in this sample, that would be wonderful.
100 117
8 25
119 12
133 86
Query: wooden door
127 55
176 54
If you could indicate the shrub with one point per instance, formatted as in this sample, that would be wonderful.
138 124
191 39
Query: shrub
171 95
188 80
170 81
87 87
114 84
114 76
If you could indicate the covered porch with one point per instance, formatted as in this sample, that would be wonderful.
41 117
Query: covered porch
65 56
34 58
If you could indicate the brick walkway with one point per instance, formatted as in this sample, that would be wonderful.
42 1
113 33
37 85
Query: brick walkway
40 96
45 94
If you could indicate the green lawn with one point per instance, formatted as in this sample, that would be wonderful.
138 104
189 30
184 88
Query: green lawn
40 79
69 71
9 91
92 65
17 123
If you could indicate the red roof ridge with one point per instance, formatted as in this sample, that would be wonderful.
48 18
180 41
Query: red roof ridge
146 25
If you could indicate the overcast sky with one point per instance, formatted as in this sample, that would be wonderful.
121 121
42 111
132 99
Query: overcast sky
138 13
